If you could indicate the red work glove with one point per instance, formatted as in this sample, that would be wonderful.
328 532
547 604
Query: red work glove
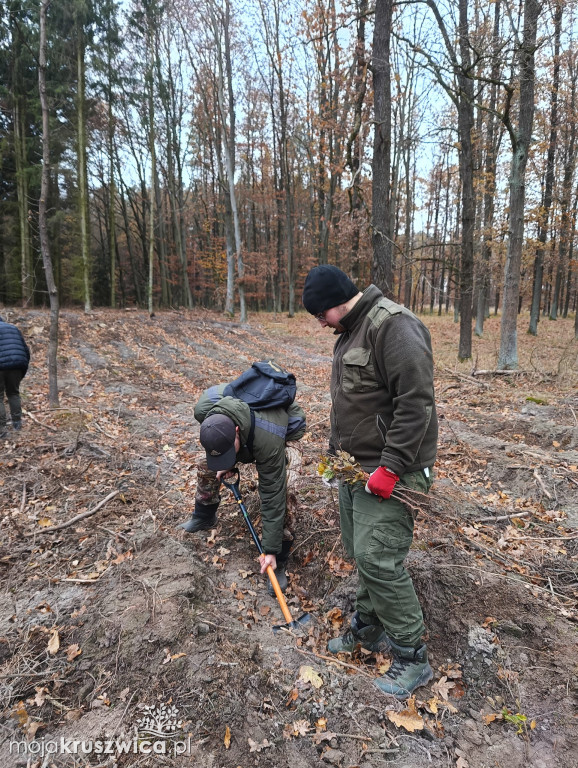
382 482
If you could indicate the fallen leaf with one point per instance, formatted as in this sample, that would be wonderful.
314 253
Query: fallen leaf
335 616
458 690
487 719
31 729
227 739
72 652
122 557
406 720
308 558
301 727
264 610
309 675
461 763
54 642
255 747
20 713
340 567
320 736
382 663
177 656
443 687
45 522
40 698
409 718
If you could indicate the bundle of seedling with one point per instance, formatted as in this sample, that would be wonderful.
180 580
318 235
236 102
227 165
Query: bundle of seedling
341 466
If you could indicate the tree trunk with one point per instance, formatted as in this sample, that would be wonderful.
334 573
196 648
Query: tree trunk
21 164
549 183
508 355
566 201
83 214
228 122
42 216
354 141
489 182
382 266
152 212
21 167
465 126
111 200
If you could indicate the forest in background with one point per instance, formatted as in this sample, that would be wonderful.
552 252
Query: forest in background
208 153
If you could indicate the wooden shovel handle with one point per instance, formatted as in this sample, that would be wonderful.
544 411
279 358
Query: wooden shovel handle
279 595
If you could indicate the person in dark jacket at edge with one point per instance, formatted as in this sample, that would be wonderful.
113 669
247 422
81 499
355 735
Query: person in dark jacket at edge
383 414
14 360
225 432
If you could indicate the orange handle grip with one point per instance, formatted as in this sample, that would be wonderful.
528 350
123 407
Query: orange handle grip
279 595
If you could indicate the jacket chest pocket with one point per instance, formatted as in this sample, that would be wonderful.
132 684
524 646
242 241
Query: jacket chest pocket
358 371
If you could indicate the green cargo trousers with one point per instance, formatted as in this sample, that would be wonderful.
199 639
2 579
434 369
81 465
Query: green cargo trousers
377 533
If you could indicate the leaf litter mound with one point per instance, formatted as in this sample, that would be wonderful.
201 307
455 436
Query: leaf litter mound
110 613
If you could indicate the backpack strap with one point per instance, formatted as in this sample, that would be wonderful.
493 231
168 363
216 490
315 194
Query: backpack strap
251 436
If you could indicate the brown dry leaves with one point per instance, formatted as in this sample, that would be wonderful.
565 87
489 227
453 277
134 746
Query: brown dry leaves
409 718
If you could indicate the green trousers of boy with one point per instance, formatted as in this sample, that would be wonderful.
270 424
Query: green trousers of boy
377 533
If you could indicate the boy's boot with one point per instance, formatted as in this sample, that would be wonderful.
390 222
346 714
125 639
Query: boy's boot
409 670
203 518
371 637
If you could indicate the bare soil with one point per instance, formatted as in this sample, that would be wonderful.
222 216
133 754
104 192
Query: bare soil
122 610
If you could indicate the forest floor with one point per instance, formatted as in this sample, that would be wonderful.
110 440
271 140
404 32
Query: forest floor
122 627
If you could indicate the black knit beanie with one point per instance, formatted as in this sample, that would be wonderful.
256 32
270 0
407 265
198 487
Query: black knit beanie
326 287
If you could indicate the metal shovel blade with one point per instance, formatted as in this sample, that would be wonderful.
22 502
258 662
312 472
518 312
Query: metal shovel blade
302 621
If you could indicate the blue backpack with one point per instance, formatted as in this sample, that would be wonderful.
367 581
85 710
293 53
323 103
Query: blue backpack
264 385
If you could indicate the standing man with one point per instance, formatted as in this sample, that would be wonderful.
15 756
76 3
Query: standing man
14 359
231 432
383 413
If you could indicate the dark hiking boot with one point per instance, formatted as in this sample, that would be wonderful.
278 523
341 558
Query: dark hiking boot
409 670
370 637
198 524
17 425
281 578
203 518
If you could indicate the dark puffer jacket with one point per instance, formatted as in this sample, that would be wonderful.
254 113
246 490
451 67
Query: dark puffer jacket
14 352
